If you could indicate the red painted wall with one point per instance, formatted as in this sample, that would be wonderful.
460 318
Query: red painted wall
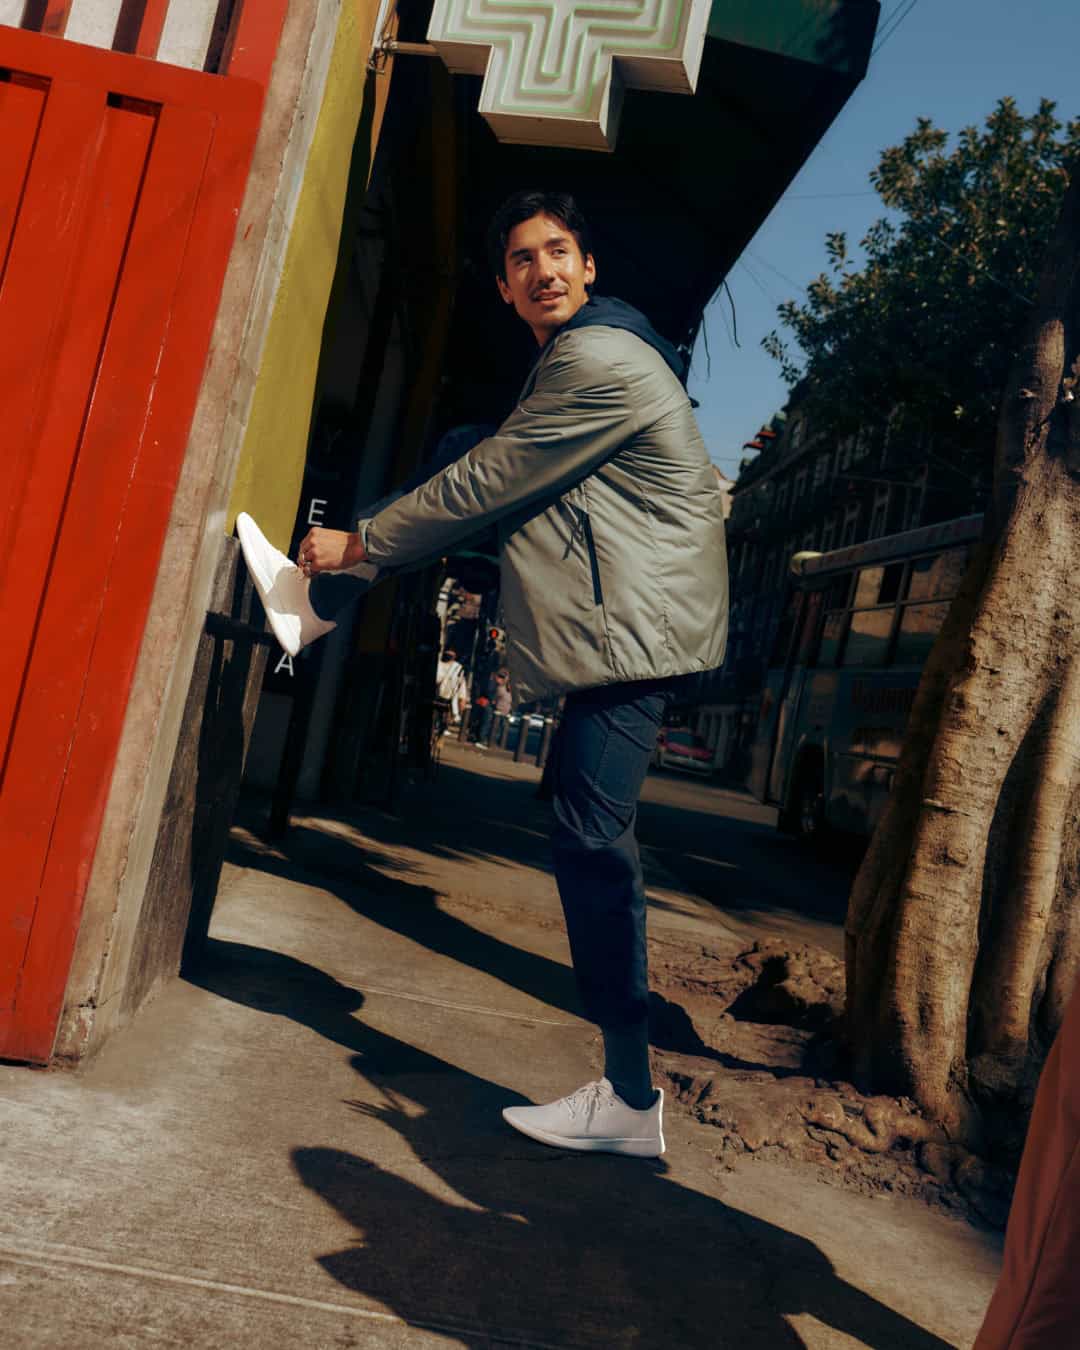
120 182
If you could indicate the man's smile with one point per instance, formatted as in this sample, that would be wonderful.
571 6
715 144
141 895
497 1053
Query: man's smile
546 275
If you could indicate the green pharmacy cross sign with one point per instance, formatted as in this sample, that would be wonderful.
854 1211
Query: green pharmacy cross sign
555 70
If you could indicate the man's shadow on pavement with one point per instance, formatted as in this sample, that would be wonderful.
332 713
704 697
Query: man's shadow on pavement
493 1239
413 911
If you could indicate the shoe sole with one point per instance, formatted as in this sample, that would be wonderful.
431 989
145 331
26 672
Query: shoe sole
634 1148
251 537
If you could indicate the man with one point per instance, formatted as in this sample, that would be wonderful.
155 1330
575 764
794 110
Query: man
614 591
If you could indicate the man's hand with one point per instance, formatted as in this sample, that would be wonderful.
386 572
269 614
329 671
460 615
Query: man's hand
329 551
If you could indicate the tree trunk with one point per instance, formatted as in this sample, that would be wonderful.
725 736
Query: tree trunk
963 930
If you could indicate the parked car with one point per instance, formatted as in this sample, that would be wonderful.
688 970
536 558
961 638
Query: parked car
678 748
535 733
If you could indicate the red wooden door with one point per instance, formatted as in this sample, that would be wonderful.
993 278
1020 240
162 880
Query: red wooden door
120 183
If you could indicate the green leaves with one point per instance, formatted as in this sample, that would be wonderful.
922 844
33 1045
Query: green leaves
932 317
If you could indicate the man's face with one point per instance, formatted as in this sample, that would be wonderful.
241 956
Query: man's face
546 274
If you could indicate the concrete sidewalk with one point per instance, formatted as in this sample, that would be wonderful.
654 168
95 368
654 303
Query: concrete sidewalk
304 1148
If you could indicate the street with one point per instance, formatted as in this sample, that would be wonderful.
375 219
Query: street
721 846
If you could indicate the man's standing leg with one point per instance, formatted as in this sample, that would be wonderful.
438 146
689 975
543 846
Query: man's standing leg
607 738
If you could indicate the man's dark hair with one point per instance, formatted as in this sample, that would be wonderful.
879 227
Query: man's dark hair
523 206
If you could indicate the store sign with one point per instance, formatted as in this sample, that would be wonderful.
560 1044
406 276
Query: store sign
555 70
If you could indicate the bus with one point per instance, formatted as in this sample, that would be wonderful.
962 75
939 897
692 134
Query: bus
857 627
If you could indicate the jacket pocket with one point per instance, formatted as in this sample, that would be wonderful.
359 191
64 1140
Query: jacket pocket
594 563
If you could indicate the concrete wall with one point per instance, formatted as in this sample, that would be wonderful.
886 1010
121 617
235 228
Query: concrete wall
252 413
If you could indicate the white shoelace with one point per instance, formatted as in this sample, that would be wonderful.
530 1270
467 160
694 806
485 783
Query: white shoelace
588 1099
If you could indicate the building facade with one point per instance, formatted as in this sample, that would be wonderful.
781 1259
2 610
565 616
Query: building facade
797 490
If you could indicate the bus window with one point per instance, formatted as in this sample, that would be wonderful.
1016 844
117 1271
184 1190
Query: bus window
868 587
784 633
868 640
919 627
937 578
808 632
834 602
832 631
891 583
878 585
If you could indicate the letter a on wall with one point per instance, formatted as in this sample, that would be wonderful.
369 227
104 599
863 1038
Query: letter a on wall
554 70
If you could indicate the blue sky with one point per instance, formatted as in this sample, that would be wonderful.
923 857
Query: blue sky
949 60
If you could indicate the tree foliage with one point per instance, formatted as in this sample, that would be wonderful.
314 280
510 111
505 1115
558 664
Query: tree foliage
919 336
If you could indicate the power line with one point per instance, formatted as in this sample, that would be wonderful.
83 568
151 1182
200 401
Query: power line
758 282
974 267
825 196
734 320
727 327
887 18
890 28
762 262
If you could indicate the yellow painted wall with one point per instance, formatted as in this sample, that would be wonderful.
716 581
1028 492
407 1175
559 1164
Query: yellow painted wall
271 466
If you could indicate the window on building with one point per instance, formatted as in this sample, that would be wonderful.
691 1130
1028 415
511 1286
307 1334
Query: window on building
799 486
828 534
781 498
821 470
851 525
880 515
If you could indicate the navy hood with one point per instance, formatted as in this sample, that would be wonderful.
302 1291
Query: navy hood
608 312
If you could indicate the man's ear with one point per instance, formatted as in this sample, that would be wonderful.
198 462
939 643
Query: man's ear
504 291
590 270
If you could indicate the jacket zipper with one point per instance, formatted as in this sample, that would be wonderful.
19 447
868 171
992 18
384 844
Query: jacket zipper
594 562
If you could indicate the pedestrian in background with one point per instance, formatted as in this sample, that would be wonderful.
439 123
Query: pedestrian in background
500 705
450 685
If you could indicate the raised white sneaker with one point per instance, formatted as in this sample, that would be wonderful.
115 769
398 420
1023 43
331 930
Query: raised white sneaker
593 1119
283 589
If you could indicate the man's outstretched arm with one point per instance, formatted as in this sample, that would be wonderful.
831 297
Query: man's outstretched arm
579 414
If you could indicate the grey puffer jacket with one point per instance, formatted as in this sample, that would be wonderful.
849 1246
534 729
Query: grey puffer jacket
610 520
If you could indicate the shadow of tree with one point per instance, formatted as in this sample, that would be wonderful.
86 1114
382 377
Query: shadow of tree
495 1240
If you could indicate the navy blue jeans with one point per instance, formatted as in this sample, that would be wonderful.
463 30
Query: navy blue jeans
605 742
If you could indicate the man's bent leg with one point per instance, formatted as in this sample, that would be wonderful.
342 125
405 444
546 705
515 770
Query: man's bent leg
331 591
608 736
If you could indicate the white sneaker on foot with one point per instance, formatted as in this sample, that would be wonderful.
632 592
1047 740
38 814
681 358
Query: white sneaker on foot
283 589
593 1119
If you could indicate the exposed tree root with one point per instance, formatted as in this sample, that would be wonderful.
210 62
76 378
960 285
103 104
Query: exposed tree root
748 1048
